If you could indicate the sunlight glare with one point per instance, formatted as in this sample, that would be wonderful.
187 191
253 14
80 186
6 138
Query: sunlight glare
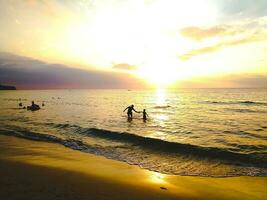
157 178
160 97
141 36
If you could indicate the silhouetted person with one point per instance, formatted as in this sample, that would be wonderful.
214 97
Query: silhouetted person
130 110
43 104
145 115
33 107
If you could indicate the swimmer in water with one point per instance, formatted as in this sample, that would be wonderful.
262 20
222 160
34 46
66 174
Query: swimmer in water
145 115
130 110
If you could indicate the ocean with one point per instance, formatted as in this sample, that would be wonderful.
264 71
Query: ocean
193 132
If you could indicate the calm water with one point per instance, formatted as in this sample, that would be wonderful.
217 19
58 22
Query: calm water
204 132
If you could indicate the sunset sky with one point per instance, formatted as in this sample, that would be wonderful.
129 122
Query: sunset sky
198 43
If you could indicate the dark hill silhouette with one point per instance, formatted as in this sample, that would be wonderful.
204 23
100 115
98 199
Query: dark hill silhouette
7 87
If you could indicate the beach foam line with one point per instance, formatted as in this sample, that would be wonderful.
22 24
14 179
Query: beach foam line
146 143
34 169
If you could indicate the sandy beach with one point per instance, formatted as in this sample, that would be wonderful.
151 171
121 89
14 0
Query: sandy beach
39 170
133 100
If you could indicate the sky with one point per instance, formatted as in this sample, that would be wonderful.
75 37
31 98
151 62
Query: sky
174 43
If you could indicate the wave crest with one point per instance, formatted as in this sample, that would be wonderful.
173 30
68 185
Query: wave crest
146 143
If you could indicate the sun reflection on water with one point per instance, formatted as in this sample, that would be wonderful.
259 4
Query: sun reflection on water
160 97
161 117
160 100
157 178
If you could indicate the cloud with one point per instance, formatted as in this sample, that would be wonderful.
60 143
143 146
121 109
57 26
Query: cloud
218 46
26 73
233 28
124 66
224 36
229 81
197 33
248 81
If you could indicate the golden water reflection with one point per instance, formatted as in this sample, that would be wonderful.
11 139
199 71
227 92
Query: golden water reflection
157 178
160 97
160 100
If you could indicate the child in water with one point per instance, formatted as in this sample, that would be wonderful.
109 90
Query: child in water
145 115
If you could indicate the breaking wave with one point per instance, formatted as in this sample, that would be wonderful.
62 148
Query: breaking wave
147 144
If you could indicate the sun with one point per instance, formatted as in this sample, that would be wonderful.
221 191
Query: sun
145 35
159 74
137 33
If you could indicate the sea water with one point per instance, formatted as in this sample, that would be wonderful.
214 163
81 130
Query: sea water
201 132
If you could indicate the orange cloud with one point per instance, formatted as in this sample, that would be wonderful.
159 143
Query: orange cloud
197 33
227 81
256 36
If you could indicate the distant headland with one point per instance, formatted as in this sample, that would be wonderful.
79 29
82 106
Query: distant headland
7 87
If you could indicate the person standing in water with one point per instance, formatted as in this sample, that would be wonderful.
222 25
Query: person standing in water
33 107
145 115
130 110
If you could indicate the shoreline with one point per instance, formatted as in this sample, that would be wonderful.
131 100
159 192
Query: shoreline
41 170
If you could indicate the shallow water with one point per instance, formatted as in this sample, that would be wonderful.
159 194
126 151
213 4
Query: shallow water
205 132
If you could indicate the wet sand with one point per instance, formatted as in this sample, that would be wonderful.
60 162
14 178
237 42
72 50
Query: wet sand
39 170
